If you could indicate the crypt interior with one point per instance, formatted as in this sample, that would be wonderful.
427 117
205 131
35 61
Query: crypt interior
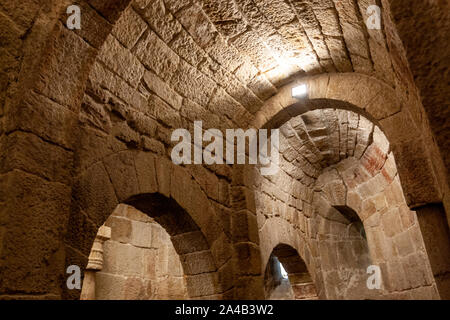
87 179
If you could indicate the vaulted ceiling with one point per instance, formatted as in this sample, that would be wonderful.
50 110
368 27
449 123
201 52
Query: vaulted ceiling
320 138
266 42
219 61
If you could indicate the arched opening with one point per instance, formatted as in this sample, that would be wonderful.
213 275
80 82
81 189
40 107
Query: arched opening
133 258
344 254
286 276
355 223
339 191
69 136
154 250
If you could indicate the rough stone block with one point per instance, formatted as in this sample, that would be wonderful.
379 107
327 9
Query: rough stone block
189 242
47 119
391 222
163 173
156 55
202 285
161 20
163 90
121 229
248 259
146 172
30 153
192 84
244 227
122 61
121 170
95 194
141 235
197 263
129 28
103 291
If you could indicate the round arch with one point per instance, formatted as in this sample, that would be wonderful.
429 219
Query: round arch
278 231
299 278
378 103
43 107
284 108
168 194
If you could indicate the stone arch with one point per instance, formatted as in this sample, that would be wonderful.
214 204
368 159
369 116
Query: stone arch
352 216
93 148
42 107
188 240
298 275
427 67
282 108
343 247
279 231
380 104
167 193
56 83
134 258
393 236
276 232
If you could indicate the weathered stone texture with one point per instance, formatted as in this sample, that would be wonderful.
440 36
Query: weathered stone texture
86 118
140 262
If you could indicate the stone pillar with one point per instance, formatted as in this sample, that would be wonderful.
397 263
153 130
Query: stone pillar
436 237
95 263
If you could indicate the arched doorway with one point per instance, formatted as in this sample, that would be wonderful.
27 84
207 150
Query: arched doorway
170 196
286 276
133 258
145 216
338 194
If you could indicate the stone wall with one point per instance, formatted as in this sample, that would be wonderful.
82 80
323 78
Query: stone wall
302 209
423 27
394 239
285 204
36 154
275 286
86 118
140 262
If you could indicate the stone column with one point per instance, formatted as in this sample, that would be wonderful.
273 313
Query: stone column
436 237
95 263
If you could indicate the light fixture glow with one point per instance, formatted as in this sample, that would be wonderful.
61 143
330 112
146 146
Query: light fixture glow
300 91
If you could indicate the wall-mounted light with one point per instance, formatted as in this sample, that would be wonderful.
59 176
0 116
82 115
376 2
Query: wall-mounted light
300 91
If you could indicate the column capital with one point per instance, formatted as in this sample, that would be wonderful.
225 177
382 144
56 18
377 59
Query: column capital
96 255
